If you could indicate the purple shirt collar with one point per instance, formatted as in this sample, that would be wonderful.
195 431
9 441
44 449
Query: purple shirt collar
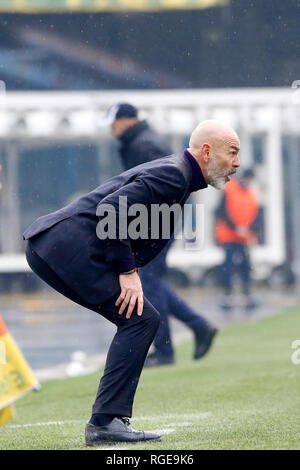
197 179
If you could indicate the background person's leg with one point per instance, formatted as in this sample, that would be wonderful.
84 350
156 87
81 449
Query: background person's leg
228 268
203 331
245 269
164 298
182 311
227 276
151 276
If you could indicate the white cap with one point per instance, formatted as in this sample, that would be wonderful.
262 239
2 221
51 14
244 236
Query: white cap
118 111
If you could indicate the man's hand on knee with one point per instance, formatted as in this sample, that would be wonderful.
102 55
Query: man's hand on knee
131 292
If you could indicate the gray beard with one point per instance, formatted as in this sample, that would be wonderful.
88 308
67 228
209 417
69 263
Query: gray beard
216 178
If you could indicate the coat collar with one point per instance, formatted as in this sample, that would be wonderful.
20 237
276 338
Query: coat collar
197 178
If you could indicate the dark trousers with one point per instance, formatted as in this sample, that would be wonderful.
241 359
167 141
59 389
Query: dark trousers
236 256
164 299
128 350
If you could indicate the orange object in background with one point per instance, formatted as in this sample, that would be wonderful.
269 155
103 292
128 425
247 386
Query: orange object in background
242 208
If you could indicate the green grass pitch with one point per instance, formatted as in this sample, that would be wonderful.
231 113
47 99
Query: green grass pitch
243 395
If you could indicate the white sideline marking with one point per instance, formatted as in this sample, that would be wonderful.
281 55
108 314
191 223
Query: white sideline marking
161 417
177 425
140 418
49 423
163 431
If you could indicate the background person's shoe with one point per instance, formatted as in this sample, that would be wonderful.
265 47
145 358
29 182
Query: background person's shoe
249 303
118 430
204 341
227 303
156 359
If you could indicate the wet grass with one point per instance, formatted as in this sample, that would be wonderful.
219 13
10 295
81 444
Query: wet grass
243 395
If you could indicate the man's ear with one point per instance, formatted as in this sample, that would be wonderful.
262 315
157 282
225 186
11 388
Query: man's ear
205 152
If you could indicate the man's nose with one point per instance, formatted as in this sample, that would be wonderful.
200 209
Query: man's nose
236 162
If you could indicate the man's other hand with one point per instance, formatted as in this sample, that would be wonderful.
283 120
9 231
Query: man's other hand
131 292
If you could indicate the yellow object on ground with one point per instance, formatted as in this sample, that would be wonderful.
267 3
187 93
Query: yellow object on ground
16 376
6 414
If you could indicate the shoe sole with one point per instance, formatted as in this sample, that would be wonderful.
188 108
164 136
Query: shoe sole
109 442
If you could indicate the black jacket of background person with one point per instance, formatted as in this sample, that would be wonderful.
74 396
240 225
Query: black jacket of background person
141 144
67 241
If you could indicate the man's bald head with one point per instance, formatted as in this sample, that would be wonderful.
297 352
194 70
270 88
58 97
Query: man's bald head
215 146
211 132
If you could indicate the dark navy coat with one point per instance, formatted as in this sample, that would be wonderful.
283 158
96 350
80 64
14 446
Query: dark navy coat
67 241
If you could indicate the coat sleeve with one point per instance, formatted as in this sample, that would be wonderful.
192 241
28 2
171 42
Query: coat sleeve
162 184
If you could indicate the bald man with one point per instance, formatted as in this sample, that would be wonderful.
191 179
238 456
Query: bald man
88 252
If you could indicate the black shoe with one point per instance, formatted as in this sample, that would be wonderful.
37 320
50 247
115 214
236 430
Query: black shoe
118 430
204 342
226 306
227 303
250 304
157 359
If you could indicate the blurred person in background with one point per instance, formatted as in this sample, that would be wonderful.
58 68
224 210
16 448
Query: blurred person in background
140 144
235 217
